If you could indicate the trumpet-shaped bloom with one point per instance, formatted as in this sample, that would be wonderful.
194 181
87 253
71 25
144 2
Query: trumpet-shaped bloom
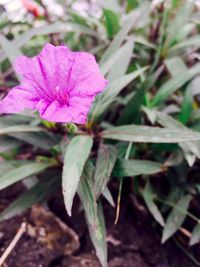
58 83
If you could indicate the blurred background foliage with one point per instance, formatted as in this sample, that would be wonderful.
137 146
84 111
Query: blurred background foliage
145 127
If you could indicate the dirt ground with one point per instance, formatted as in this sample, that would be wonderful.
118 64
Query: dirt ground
52 239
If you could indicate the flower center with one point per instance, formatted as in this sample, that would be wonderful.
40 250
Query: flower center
61 95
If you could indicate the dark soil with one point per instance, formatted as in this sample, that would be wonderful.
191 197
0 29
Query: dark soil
53 239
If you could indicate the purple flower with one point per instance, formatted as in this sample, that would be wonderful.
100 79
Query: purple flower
59 83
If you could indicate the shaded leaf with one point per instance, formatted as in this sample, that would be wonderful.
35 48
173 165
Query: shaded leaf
104 100
21 172
135 167
176 217
36 194
42 140
130 113
195 238
7 144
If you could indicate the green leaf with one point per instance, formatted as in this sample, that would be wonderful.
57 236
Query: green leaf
19 128
191 41
12 52
148 134
195 238
7 165
131 4
16 119
104 100
7 144
134 167
176 24
121 65
119 38
43 140
115 58
186 108
106 193
176 217
21 172
106 159
175 66
57 27
36 194
12 48
77 152
175 83
148 195
112 22
190 149
94 215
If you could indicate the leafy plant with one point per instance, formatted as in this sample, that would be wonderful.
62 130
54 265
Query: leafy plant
145 124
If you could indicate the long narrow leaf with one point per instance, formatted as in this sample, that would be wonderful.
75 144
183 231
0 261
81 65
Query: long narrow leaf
94 216
149 200
104 100
77 152
176 217
148 134
134 167
19 128
21 172
36 194
175 83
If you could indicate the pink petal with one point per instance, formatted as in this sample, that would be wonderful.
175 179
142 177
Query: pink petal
47 71
59 83
17 100
85 77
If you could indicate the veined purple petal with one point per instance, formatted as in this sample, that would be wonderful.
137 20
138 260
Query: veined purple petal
59 83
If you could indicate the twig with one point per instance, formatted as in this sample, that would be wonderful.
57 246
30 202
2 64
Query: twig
120 186
13 243
185 232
